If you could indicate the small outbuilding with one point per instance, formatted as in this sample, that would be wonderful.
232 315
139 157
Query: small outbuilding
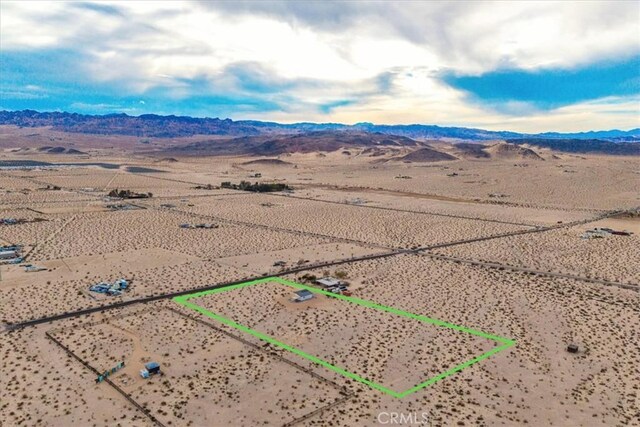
572 348
303 295
150 368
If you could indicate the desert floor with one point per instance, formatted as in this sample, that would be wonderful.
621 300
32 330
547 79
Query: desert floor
495 247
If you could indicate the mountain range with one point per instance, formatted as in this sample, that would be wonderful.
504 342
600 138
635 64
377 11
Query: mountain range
152 125
269 138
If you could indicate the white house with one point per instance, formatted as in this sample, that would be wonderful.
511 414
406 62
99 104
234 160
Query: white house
329 282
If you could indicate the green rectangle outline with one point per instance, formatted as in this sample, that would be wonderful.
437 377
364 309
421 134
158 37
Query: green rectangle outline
506 343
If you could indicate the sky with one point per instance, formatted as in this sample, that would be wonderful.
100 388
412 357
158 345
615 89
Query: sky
520 66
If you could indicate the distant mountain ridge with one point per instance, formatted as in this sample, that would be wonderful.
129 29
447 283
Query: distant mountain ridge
156 126
147 125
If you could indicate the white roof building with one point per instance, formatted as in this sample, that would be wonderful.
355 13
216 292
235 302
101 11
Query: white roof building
329 282
8 254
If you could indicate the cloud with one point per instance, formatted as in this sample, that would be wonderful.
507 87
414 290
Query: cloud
471 35
22 95
323 61
328 15
99 108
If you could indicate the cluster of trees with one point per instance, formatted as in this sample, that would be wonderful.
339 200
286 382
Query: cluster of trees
205 187
257 187
309 278
128 194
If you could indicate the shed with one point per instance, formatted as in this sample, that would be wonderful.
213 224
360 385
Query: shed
152 367
303 295
572 348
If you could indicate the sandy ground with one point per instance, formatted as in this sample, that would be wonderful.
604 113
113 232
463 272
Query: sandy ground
614 258
594 387
570 182
80 267
342 333
265 261
379 227
41 385
481 211
213 379
220 380
56 296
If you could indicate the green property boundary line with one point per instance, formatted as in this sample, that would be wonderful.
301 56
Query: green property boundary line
504 342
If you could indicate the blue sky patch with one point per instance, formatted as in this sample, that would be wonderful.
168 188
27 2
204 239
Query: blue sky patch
548 89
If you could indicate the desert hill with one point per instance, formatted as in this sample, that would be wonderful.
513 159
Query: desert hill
267 162
499 150
59 150
467 150
323 141
426 154
504 150
328 141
